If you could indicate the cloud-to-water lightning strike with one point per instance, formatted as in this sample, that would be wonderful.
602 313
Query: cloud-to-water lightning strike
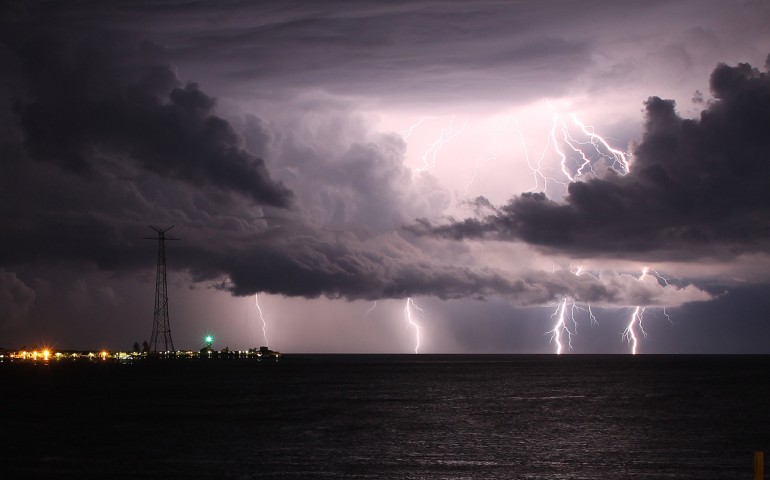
638 315
410 321
262 317
561 316
629 334
561 326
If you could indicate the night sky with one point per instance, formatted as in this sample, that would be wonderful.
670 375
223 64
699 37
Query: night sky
492 161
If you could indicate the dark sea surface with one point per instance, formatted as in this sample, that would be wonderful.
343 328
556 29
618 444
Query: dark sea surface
389 416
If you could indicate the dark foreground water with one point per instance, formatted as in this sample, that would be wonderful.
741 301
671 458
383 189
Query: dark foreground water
399 417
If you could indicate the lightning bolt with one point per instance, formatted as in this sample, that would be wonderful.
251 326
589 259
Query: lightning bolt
405 134
570 140
562 315
637 316
666 283
629 334
261 316
661 277
561 326
371 308
580 151
429 156
410 321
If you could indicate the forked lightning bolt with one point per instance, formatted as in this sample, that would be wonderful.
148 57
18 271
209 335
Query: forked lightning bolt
262 317
635 322
620 160
410 322
629 333
561 316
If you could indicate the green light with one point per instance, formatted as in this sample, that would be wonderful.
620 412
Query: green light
209 339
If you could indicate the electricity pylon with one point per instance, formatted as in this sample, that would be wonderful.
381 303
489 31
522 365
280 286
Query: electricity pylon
161 330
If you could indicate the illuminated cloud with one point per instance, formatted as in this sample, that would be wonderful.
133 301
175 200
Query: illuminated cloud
269 138
697 188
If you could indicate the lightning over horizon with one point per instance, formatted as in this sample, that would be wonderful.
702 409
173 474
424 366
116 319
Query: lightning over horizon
560 326
262 317
629 334
353 161
411 323
580 153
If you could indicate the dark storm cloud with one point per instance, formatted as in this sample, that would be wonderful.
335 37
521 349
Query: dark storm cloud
16 298
83 98
101 138
392 268
696 187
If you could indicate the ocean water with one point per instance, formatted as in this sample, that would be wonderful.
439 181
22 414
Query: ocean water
389 417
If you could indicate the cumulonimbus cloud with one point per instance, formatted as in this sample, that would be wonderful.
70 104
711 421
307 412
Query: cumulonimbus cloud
118 141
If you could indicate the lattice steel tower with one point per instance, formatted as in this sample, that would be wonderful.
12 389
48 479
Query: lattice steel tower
161 330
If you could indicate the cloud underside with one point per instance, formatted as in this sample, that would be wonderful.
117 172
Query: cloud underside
696 188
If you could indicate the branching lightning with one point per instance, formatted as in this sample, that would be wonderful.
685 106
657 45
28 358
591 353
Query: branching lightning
637 316
561 326
411 323
577 147
429 156
629 334
562 314
262 317
619 160
572 151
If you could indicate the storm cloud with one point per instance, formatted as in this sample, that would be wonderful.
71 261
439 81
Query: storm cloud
276 139
16 298
102 141
82 100
696 187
